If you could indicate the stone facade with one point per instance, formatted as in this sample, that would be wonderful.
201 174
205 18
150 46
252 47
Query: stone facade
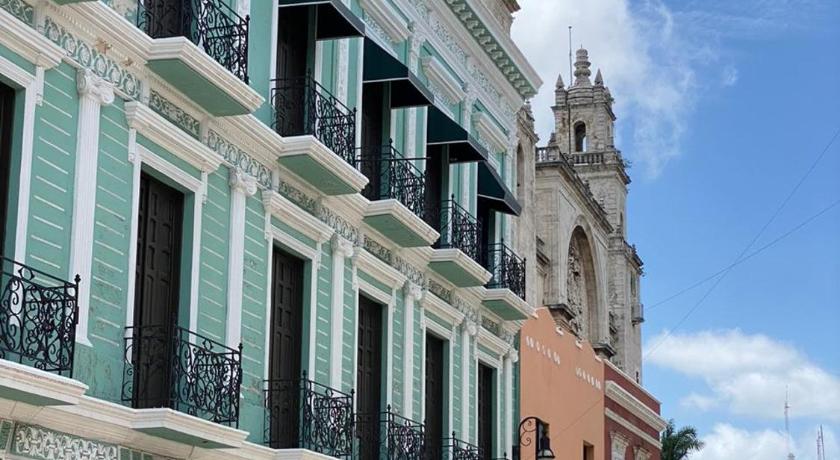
594 275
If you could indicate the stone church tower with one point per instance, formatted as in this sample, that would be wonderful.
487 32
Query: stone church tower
584 133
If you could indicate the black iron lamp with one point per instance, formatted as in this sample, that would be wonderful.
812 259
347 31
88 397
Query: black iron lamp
533 431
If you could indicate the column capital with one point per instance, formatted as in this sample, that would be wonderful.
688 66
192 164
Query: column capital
513 355
470 327
413 291
342 246
241 182
92 86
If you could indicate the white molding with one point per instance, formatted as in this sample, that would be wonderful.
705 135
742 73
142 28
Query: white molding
468 329
242 186
312 147
443 310
405 216
185 51
490 131
16 74
175 173
442 78
626 400
28 42
378 269
507 296
94 92
134 157
113 27
413 293
389 350
632 428
289 213
314 266
342 249
488 360
389 20
40 384
171 138
493 342
374 293
507 431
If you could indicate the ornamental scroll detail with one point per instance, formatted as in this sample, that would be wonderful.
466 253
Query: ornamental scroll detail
19 9
89 57
174 114
576 285
41 443
239 158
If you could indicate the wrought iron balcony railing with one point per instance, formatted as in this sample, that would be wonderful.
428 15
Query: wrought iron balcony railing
38 316
389 436
302 106
169 366
304 414
210 24
455 449
507 268
457 227
392 176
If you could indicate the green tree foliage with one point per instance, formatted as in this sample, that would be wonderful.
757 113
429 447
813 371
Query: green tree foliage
677 444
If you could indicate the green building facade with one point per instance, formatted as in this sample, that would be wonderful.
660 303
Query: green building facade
290 222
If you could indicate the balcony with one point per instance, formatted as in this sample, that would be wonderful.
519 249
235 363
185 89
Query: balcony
169 372
320 135
505 294
389 436
38 316
458 251
455 449
201 48
302 414
397 191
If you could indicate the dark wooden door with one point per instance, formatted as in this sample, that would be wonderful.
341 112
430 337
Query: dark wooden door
434 397
286 347
485 411
7 107
369 376
293 44
435 186
373 137
159 220
168 18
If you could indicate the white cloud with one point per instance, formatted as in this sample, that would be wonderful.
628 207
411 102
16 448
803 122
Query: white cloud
727 442
657 60
699 402
749 374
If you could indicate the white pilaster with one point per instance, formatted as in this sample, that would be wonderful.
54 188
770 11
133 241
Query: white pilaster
413 294
469 329
34 96
341 250
414 44
94 92
242 186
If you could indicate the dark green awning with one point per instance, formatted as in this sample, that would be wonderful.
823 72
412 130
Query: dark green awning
381 67
442 130
334 19
492 189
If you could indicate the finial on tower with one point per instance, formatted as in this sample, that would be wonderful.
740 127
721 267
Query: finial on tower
599 80
560 85
582 71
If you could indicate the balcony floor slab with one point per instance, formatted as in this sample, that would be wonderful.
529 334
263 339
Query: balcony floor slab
33 386
186 429
507 304
313 162
458 268
399 224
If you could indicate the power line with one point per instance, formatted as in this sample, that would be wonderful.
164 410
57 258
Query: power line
727 269
758 235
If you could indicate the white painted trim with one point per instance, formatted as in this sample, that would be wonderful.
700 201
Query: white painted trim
310 146
492 341
389 350
105 22
378 269
170 170
28 42
185 51
188 425
464 261
507 430
489 131
292 243
636 407
423 334
440 308
272 58
268 231
290 214
137 168
412 293
387 18
632 428
507 296
374 293
355 326
468 330
171 138
16 74
94 92
40 384
315 265
242 186
441 78
488 359
405 216
341 250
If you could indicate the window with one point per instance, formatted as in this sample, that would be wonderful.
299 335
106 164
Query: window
580 137
7 103
588 451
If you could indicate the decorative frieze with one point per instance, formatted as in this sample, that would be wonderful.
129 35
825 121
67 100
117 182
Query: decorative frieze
174 114
40 443
89 57
19 9
239 159
380 252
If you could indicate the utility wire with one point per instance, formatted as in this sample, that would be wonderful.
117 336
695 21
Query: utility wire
752 242
744 259
741 258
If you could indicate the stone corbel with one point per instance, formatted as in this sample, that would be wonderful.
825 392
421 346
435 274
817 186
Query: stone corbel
94 87
342 247
413 291
513 355
618 445
241 182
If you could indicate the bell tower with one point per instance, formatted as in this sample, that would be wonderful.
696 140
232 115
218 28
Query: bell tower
584 132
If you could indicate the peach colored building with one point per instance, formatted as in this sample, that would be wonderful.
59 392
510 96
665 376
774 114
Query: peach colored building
562 382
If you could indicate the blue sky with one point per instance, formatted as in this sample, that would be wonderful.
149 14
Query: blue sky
722 109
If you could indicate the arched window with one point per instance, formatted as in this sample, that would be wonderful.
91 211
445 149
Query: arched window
580 137
581 288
